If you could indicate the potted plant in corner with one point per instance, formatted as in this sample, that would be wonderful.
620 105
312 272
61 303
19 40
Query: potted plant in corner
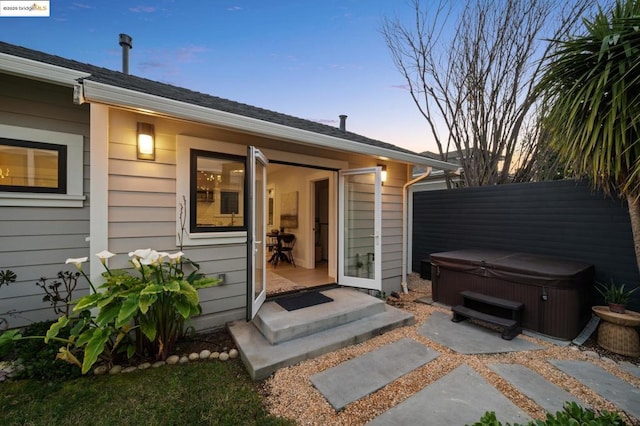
616 296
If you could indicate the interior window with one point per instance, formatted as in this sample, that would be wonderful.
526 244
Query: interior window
217 192
35 167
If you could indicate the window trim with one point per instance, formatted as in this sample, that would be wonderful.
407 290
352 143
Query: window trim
73 143
184 145
194 154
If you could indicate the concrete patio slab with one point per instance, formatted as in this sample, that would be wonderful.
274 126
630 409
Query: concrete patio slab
356 378
468 338
459 398
624 395
261 358
544 393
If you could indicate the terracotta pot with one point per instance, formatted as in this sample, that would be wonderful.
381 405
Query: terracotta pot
617 308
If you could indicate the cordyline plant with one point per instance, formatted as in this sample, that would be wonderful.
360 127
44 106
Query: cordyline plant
151 305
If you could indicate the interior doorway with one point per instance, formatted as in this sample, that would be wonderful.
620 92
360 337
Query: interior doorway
300 202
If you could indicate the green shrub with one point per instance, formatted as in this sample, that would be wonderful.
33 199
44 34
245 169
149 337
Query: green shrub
39 358
572 415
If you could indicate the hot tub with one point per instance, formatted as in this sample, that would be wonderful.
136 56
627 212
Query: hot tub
556 292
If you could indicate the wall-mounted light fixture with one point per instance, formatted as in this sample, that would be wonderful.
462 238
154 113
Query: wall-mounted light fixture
383 173
146 142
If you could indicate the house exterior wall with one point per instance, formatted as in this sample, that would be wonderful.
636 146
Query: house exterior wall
143 207
36 241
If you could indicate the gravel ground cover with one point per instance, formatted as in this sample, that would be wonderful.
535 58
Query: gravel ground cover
290 393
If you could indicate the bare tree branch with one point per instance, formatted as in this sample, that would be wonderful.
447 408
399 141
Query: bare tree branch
472 70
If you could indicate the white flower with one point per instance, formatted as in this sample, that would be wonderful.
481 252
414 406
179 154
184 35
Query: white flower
104 255
175 257
140 253
151 258
136 263
162 255
78 261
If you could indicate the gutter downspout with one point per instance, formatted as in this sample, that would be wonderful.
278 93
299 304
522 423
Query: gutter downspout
405 231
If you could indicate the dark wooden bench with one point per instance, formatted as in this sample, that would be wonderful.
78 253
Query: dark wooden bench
503 313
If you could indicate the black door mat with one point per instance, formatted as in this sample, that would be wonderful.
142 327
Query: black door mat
303 300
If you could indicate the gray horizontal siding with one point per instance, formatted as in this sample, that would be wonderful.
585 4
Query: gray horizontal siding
36 241
560 218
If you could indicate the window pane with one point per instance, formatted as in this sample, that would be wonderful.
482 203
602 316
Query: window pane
219 192
32 167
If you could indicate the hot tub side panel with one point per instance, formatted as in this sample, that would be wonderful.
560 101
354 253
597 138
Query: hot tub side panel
558 308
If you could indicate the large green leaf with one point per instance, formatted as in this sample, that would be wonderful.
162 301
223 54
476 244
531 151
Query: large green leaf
56 327
94 348
87 302
152 289
189 292
183 307
172 286
127 311
146 300
148 327
9 336
107 314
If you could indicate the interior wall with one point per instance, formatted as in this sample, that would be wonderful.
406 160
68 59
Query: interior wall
290 179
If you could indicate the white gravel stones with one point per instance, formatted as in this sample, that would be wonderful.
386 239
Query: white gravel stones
214 355
183 360
116 369
193 356
130 369
224 356
233 353
591 354
144 366
158 364
205 354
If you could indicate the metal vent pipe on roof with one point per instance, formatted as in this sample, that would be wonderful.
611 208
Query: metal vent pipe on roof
343 123
127 44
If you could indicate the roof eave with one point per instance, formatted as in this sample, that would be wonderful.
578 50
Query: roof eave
36 70
145 102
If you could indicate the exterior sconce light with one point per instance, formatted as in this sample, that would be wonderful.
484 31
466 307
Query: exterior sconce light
146 147
383 173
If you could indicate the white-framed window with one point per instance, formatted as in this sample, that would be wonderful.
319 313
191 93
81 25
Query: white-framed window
40 168
210 176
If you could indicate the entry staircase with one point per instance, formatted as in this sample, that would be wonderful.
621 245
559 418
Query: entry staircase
279 338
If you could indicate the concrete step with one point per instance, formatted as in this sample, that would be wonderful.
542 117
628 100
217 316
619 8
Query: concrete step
279 325
262 358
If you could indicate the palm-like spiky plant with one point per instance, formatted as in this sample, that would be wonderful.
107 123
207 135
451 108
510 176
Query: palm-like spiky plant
592 89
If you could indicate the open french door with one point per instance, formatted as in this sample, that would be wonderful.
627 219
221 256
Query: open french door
360 222
256 231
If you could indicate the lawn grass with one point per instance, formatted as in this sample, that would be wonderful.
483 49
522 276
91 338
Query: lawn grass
202 393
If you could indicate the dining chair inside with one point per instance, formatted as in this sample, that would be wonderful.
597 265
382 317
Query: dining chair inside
288 242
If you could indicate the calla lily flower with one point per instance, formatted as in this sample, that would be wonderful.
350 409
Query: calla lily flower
104 255
151 258
140 253
175 257
77 261
136 263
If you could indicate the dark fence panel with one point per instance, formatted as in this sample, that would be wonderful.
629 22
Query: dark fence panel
558 218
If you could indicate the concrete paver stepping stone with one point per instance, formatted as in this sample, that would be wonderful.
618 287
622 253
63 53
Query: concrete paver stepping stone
610 387
358 377
631 368
468 338
544 393
459 398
